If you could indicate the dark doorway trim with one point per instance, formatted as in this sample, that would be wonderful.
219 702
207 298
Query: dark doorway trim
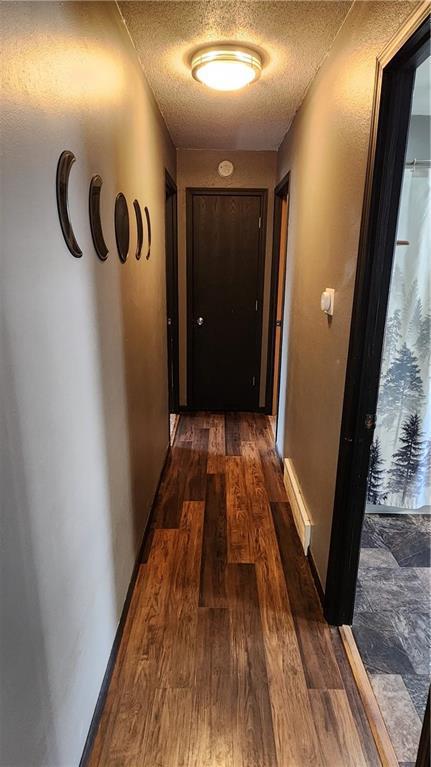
393 94
281 191
423 757
190 193
172 299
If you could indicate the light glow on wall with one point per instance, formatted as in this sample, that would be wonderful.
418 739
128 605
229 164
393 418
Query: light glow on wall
64 71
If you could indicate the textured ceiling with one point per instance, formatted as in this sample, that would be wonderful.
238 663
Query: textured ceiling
293 36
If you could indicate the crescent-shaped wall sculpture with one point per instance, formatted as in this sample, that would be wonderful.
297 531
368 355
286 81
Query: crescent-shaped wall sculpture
65 162
121 216
139 229
122 228
95 221
147 216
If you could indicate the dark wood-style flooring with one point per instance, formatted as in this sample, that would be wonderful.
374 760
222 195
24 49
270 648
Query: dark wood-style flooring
226 660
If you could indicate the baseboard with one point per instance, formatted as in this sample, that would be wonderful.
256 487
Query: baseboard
297 504
101 698
175 429
279 456
378 729
192 409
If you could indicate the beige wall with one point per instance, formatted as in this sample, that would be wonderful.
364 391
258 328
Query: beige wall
198 168
326 152
83 366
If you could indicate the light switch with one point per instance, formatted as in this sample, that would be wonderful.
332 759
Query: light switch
327 301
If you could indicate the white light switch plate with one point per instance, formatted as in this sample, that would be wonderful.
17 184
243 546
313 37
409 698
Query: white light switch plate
327 301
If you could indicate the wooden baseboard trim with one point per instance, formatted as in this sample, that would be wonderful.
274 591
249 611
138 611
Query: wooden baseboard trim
279 456
300 513
192 409
174 430
377 725
101 698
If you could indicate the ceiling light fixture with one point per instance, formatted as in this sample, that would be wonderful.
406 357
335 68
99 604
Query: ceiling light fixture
226 67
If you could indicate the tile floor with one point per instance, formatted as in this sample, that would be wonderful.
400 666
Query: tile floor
392 621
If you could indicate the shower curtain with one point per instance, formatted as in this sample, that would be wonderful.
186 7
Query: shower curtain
399 474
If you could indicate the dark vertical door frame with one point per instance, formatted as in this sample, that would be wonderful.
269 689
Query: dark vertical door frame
190 193
423 757
172 296
391 117
281 192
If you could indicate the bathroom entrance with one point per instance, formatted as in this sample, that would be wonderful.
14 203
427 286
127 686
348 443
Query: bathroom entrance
391 618
379 566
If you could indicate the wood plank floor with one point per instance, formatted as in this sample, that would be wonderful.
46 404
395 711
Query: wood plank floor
226 660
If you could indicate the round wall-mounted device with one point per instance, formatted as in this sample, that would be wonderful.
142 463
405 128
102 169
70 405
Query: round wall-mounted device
225 168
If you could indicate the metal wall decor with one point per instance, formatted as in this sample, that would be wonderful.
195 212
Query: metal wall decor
147 216
65 163
122 228
139 229
95 221
121 216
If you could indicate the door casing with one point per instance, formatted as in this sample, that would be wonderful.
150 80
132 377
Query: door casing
172 294
281 193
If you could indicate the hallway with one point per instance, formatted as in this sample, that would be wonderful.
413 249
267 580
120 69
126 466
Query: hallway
225 657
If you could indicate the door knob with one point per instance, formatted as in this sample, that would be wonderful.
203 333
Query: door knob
200 321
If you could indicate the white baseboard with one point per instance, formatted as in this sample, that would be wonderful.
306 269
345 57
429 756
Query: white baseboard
297 503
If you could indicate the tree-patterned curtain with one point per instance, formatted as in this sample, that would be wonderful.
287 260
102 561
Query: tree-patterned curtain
400 459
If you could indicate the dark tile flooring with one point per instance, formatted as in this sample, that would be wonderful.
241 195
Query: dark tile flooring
392 621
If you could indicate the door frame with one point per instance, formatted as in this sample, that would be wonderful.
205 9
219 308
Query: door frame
281 191
191 192
423 756
388 141
172 275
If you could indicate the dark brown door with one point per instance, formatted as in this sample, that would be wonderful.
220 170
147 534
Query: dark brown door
225 279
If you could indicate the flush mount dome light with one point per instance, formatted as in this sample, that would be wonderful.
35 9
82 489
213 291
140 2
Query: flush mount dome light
226 67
